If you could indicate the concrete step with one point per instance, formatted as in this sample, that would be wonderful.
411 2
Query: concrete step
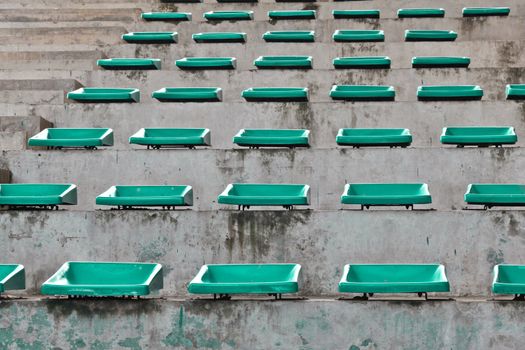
497 54
36 91
424 119
15 130
249 324
319 82
469 29
63 36
325 170
468 243
49 60
69 15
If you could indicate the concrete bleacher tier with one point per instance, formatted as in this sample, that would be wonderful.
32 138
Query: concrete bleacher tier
51 47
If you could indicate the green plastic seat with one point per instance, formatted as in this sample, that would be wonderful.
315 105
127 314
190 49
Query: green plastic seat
228 15
394 278
255 138
294 14
156 138
57 138
246 195
420 12
440 62
363 62
283 62
129 63
100 95
188 94
430 35
492 195
374 137
38 195
224 280
12 277
449 92
485 11
127 197
509 279
275 94
166 16
357 35
515 91
340 14
289 36
363 92
104 279
151 37
194 63
482 136
219 37
399 194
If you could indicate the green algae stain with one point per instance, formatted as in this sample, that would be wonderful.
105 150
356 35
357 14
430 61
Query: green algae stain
130 343
189 332
100 345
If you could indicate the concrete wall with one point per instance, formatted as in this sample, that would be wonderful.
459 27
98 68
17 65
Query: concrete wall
306 325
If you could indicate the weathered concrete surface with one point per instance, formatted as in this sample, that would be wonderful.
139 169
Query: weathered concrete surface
305 325
15 130
5 175
469 243
325 170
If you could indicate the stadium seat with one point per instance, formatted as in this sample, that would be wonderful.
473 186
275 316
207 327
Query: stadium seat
219 37
166 16
247 195
105 95
357 35
276 94
58 138
342 14
363 92
395 194
374 137
127 197
228 15
255 138
440 62
509 279
291 14
129 63
420 12
515 91
188 94
289 36
197 63
481 136
485 11
449 92
46 196
362 62
283 62
493 195
151 37
392 278
224 280
104 279
430 35
12 277
157 138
